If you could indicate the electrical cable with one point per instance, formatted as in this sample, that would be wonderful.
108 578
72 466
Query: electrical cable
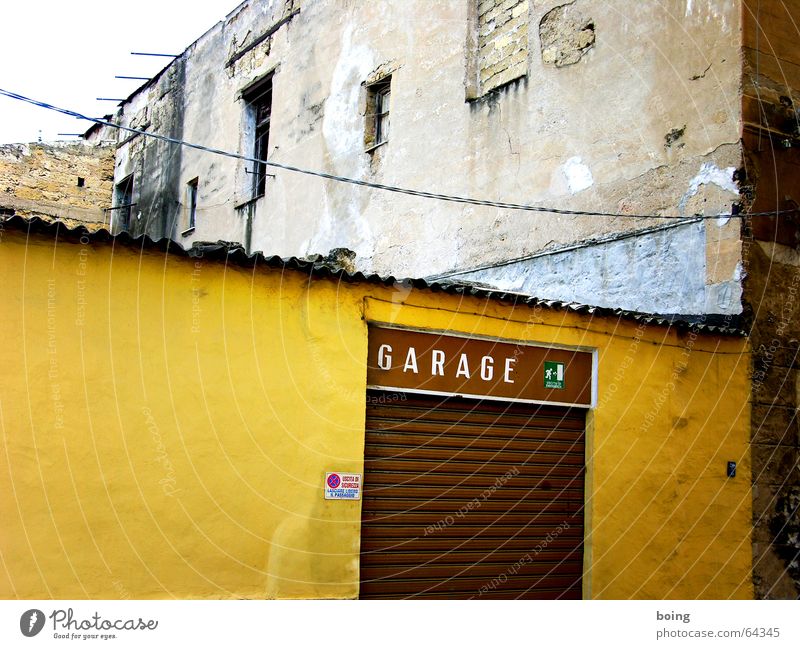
570 247
388 188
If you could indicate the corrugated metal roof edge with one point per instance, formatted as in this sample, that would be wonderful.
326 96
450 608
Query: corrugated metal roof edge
234 253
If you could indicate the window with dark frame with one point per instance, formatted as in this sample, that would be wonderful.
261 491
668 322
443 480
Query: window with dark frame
259 100
378 100
191 200
124 201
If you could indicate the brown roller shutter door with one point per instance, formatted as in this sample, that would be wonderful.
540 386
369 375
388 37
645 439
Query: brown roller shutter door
471 499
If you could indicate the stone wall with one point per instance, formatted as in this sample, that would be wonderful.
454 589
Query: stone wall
565 35
502 42
771 180
65 180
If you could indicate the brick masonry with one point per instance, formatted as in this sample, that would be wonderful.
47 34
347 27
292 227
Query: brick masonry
502 42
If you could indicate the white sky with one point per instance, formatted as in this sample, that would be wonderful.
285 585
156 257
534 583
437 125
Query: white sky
67 53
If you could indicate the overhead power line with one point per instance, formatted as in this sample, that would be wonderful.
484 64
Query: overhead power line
610 238
171 56
389 188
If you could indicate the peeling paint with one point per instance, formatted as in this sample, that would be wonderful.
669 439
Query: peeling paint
711 174
577 174
338 126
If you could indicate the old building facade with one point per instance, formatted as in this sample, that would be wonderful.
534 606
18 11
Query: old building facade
680 110
570 106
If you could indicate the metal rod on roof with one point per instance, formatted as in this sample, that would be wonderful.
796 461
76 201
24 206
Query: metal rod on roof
118 76
108 99
119 207
75 134
172 56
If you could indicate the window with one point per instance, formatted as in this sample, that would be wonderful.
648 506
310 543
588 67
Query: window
124 201
378 99
259 101
191 201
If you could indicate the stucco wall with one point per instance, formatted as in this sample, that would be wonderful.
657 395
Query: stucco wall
666 265
643 117
178 421
167 422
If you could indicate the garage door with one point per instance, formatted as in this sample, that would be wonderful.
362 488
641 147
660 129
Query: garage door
468 498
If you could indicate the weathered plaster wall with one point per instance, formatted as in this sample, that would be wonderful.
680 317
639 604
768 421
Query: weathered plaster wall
45 180
667 267
625 107
154 164
772 288
168 422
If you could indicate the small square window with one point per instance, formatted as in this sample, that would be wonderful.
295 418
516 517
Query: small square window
81 182
379 96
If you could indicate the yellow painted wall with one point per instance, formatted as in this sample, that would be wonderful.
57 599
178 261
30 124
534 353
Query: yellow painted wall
167 423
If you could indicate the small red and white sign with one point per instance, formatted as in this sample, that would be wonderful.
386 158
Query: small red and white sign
342 486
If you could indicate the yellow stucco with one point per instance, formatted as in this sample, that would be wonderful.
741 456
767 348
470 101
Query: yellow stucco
167 423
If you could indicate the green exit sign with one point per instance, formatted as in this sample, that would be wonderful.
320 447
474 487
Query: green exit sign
553 375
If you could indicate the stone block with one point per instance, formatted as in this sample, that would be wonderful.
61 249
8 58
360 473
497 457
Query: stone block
775 465
774 425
